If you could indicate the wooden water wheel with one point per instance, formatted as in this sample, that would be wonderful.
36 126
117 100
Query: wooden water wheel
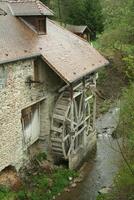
70 123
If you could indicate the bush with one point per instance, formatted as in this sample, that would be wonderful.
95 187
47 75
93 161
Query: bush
126 124
129 67
6 193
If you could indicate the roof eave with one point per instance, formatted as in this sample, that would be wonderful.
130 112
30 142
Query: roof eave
92 71
78 78
52 67
19 59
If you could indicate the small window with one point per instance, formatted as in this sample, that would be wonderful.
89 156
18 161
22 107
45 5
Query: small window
36 71
39 72
36 23
2 77
41 26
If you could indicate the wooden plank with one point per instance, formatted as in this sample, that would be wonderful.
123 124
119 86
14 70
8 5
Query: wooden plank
80 131
64 102
88 98
77 86
56 140
59 112
56 145
70 121
63 88
62 107
72 116
59 154
59 117
66 137
56 149
76 94
82 122
59 130
81 105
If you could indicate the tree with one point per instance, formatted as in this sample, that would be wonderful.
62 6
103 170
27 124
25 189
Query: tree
84 12
119 23
93 16
79 12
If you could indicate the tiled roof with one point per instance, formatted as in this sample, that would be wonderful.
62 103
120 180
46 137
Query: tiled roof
68 55
28 8
76 28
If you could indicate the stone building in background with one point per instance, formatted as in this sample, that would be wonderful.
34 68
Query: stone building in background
47 82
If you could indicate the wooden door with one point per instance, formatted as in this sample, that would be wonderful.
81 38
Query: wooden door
31 123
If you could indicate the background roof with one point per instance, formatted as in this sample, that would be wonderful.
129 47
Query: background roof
76 29
67 54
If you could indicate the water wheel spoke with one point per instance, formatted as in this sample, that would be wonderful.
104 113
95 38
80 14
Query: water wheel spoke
81 106
71 121
75 111
80 131
66 137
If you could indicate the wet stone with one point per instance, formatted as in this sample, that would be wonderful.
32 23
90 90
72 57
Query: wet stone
104 190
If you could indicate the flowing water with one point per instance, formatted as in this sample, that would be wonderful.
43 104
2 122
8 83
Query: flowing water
99 171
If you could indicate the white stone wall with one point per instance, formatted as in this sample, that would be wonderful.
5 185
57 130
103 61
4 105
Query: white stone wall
13 98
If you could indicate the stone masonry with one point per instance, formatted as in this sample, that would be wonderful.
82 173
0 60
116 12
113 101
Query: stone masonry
17 95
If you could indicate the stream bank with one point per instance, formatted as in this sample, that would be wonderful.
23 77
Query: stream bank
100 170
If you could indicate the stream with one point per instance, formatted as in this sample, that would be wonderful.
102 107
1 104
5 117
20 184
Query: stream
101 169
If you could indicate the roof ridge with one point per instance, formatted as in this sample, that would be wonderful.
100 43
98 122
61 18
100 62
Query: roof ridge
21 1
41 3
38 3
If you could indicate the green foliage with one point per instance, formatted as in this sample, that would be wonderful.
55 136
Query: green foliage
102 197
79 12
129 63
93 16
61 179
40 181
6 193
123 186
41 156
21 195
44 186
126 124
119 24
118 35
124 180
105 106
102 75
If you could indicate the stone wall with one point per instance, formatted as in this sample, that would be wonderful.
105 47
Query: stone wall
17 95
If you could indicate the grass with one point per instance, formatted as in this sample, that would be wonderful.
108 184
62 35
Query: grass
45 186
41 156
105 106
6 193
39 184
42 186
